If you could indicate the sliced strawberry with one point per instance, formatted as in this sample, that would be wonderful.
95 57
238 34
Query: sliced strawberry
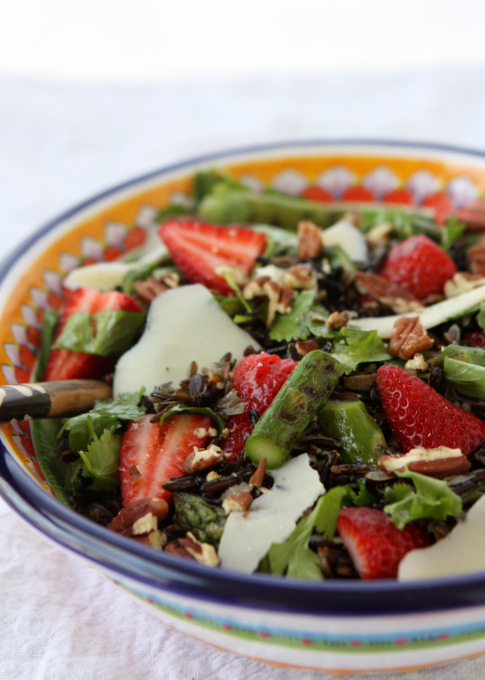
64 364
442 205
199 248
375 544
476 338
419 265
257 380
151 454
420 416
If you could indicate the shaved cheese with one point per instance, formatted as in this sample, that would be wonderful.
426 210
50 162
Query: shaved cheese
248 536
462 551
349 238
183 325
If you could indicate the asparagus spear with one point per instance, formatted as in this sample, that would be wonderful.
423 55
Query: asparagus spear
299 400
204 520
349 422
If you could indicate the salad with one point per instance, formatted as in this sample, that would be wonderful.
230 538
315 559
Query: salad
298 387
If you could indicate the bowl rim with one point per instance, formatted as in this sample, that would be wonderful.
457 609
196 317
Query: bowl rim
153 569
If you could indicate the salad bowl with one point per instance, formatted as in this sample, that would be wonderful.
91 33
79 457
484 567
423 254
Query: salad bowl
339 626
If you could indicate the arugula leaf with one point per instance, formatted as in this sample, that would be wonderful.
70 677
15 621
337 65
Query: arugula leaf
353 347
295 324
294 555
56 471
201 410
104 415
115 332
430 499
231 282
481 317
101 461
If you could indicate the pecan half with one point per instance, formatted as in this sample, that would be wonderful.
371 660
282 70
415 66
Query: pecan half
390 294
139 517
309 241
439 462
408 337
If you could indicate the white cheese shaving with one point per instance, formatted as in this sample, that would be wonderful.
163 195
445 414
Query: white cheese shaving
272 517
349 238
462 551
183 325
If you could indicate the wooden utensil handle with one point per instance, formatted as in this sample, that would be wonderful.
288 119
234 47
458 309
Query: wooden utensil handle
58 398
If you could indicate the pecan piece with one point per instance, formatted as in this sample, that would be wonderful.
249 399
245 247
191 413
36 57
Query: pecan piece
309 241
389 294
202 459
279 296
462 282
238 502
439 462
258 475
204 553
476 258
148 290
338 320
408 337
139 517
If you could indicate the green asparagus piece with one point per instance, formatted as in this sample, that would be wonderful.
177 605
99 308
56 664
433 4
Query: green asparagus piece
299 400
224 206
350 423
204 520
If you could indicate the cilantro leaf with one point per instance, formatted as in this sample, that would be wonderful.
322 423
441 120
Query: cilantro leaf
294 556
295 324
107 333
104 415
101 461
353 347
202 410
430 499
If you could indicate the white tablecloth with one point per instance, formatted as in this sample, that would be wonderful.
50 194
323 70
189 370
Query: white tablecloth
58 144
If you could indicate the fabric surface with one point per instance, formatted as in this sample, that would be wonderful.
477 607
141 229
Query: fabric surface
60 618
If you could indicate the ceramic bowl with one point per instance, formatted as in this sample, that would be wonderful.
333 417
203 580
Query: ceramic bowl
339 627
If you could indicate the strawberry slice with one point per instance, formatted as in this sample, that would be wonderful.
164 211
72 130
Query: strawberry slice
64 364
199 248
257 380
420 416
151 454
419 265
375 544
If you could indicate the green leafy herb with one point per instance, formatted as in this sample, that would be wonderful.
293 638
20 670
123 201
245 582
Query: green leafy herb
464 368
481 317
114 332
200 410
452 231
105 415
101 461
430 499
57 472
353 347
294 556
296 324
231 282
49 325
360 496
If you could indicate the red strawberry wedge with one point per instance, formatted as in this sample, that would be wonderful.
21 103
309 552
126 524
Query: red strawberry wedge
420 416
257 380
375 544
199 249
64 364
151 454
419 265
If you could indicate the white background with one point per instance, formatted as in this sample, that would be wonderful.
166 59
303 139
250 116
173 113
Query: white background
93 93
